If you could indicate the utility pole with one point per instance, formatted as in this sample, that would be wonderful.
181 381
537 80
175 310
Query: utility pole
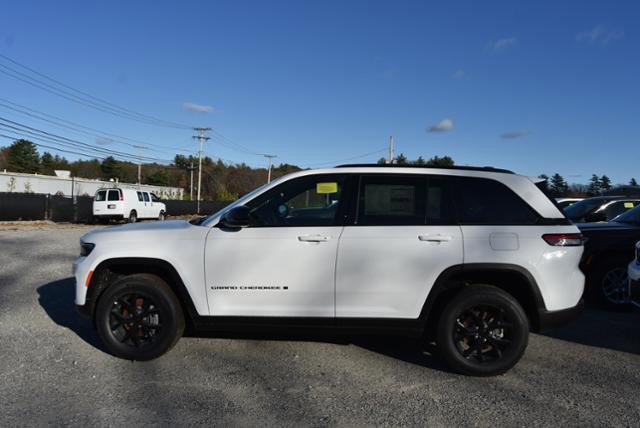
391 155
270 157
190 169
140 148
201 139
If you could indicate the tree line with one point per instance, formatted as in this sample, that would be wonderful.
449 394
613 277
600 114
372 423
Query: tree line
597 185
221 181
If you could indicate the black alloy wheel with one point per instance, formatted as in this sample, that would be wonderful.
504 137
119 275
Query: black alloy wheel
135 320
139 317
482 331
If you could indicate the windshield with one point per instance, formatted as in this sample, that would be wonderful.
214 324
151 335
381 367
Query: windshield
582 208
631 217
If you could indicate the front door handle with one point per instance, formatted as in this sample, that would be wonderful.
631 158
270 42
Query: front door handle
435 238
313 238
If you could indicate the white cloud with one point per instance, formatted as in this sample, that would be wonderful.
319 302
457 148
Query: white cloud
503 44
459 74
444 125
514 134
599 35
200 108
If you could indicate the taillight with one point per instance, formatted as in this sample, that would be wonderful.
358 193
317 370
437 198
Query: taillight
121 195
563 239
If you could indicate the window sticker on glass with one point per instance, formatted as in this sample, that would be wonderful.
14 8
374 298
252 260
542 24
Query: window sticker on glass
326 188
384 199
628 204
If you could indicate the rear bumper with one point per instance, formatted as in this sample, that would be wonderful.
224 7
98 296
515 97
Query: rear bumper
548 320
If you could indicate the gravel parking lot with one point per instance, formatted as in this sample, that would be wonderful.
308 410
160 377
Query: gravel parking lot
53 369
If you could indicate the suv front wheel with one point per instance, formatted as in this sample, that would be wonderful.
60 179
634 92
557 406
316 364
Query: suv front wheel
139 317
483 331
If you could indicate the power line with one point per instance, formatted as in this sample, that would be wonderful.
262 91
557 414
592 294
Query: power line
66 124
234 145
53 148
69 142
349 159
21 128
85 99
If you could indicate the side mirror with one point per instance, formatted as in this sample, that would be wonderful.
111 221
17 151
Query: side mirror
236 217
597 216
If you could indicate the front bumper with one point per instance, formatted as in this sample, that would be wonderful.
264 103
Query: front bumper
548 320
84 310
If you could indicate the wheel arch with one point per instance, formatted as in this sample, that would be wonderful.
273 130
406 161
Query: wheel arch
110 270
514 279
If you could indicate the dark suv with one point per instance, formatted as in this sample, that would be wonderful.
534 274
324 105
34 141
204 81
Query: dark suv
599 208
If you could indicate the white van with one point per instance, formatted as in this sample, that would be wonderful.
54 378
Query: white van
130 204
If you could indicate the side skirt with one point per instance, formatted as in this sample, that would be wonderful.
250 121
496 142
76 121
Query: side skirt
369 326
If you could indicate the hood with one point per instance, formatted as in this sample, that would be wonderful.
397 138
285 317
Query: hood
134 231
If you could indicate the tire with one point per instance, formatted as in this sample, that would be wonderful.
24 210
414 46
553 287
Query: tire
155 326
133 217
162 216
607 285
482 351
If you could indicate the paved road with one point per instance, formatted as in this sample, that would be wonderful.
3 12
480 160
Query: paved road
53 369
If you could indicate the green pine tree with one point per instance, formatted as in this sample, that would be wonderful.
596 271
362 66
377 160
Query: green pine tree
23 157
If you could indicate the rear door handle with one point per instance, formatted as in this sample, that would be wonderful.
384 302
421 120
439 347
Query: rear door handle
313 238
434 238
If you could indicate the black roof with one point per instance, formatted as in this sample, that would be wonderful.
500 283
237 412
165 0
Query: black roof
463 168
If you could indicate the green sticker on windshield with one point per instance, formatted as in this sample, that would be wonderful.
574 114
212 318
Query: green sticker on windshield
326 188
628 204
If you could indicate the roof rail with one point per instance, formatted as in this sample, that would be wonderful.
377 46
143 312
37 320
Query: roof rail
463 168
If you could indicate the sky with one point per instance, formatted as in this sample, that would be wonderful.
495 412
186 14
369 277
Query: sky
535 87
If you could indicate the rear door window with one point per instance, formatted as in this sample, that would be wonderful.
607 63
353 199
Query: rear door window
146 196
439 208
481 201
140 198
114 195
101 195
392 200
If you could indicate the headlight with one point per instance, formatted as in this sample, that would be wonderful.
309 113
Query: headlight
86 248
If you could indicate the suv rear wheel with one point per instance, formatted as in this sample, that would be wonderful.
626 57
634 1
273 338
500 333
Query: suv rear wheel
139 317
133 216
483 331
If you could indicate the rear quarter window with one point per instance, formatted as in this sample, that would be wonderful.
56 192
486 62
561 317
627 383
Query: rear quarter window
114 195
481 201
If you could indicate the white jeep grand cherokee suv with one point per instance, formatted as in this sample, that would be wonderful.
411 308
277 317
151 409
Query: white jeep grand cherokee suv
472 258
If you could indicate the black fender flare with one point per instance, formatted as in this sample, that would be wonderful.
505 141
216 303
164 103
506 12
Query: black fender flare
102 278
455 277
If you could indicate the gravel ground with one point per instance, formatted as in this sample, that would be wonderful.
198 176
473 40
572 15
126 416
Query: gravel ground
54 370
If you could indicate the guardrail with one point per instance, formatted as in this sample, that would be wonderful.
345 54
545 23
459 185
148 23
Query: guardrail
36 206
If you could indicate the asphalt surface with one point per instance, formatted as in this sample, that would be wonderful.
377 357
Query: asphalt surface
53 369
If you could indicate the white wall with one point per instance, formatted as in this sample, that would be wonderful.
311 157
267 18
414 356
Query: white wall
34 183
